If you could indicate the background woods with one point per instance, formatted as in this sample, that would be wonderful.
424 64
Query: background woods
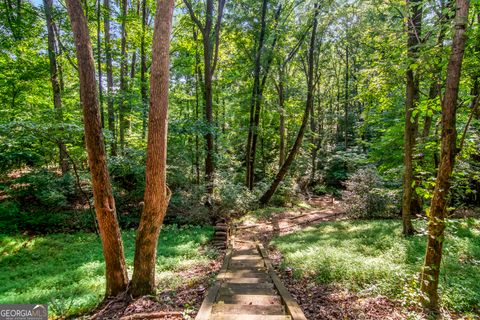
267 103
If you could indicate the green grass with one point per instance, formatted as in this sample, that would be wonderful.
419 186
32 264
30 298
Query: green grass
372 257
67 270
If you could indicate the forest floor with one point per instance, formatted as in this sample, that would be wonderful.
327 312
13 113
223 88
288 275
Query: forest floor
338 268
316 300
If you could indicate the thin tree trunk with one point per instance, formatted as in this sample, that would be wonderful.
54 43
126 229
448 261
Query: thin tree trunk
438 207
298 141
211 42
157 194
109 69
122 109
116 272
54 71
411 119
253 126
281 102
347 74
197 105
143 70
99 62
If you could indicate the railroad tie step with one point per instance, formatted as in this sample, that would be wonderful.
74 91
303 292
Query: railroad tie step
249 317
247 280
250 299
273 309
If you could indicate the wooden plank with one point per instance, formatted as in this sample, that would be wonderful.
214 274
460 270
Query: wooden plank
207 304
244 290
291 305
248 257
246 280
245 273
250 299
273 309
249 317
246 263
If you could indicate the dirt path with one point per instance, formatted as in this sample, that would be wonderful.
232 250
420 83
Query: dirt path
322 209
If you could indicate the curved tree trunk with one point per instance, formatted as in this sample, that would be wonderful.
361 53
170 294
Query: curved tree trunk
156 191
438 213
116 272
309 105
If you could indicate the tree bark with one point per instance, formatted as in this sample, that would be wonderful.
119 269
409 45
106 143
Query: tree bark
109 70
438 210
122 109
99 62
211 42
309 105
54 71
116 272
143 70
156 191
253 126
411 118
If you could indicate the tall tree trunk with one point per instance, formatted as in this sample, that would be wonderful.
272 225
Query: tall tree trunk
347 87
411 119
122 109
198 85
211 42
109 69
281 102
54 71
309 105
157 194
143 70
438 207
99 61
116 272
253 126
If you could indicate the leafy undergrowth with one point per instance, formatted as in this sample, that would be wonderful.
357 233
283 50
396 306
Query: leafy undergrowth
372 258
66 271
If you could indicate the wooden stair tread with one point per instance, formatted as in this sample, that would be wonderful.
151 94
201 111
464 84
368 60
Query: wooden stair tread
273 309
250 299
244 274
246 290
249 317
248 280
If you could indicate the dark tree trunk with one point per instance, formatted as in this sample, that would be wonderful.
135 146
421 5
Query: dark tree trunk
414 25
143 70
99 62
157 194
309 104
256 96
109 70
211 42
54 71
438 207
116 272
122 109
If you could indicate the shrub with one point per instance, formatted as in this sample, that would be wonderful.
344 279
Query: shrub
366 197
43 189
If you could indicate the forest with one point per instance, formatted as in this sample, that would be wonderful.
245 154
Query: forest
239 159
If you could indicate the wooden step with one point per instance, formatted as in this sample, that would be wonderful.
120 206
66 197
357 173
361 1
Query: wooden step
248 280
249 317
273 309
246 251
246 263
233 289
250 299
246 257
245 273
